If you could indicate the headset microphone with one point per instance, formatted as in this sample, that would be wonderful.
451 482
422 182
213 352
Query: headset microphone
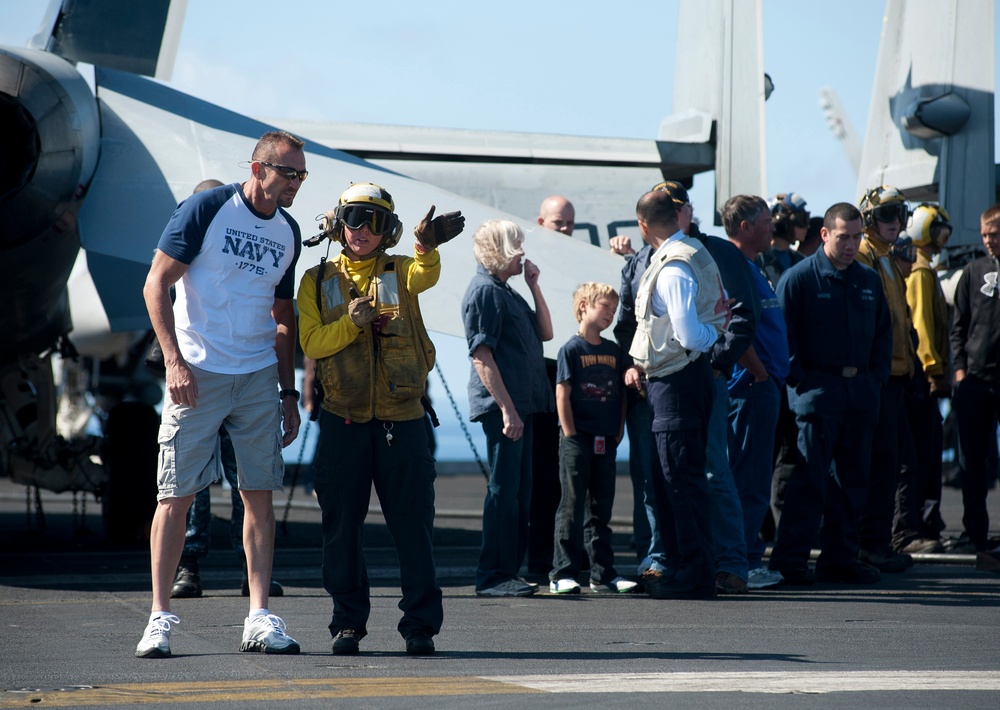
315 240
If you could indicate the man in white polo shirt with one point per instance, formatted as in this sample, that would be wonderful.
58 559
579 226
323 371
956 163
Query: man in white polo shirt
228 344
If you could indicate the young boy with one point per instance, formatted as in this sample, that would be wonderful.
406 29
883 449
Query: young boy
592 419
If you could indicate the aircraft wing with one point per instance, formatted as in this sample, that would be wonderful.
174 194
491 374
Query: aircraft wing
386 142
513 171
159 143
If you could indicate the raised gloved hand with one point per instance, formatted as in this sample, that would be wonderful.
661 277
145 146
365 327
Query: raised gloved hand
433 231
361 310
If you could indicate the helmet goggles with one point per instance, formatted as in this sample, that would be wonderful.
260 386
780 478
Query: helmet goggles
891 211
378 220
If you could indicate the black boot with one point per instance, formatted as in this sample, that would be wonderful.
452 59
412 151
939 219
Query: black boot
187 583
276 589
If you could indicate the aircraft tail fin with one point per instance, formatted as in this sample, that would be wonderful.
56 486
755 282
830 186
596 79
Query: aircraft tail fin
719 91
137 37
930 123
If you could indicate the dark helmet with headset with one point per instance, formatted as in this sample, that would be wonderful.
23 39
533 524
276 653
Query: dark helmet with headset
788 210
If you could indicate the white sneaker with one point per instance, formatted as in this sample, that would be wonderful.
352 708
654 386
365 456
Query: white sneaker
510 588
155 642
266 633
762 577
618 585
564 586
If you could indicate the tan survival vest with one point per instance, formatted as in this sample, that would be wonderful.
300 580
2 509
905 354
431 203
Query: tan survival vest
655 348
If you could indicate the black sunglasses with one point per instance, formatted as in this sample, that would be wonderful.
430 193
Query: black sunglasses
287 172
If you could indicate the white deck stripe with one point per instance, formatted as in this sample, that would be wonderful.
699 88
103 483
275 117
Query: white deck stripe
763 682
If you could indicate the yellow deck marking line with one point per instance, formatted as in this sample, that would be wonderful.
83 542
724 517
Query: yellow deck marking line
258 690
805 682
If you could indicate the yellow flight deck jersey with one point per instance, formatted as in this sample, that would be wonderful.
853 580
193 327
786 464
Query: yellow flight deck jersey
366 374
875 254
930 318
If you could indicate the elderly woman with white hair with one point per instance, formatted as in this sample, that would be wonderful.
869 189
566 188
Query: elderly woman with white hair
507 385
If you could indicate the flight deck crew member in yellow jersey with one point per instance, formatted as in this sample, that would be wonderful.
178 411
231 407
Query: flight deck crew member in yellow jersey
359 318
885 214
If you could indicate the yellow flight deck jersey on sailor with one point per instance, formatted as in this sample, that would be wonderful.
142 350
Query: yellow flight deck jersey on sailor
377 371
875 254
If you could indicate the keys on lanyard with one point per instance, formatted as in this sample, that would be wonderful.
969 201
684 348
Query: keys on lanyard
388 432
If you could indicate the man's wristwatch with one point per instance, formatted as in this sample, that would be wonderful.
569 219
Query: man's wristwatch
289 393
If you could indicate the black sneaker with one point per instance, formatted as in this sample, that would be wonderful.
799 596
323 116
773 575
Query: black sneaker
647 577
419 643
988 561
850 573
346 642
729 583
187 583
660 586
886 560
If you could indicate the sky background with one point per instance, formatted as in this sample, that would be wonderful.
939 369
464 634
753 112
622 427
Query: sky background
582 68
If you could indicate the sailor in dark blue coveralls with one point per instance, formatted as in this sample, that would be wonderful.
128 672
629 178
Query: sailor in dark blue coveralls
840 343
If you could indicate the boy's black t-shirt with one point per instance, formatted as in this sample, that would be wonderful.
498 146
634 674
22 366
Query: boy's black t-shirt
595 374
